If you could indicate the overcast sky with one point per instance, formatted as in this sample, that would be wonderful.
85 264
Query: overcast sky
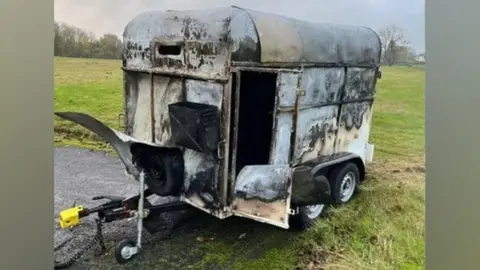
111 16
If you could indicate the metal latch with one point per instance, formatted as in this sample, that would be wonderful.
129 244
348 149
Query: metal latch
293 211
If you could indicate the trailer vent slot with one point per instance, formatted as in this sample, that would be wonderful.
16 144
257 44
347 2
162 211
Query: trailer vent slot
169 49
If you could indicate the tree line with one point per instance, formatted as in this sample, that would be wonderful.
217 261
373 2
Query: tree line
396 49
71 41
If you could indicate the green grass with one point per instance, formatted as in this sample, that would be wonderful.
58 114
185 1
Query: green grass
91 86
383 228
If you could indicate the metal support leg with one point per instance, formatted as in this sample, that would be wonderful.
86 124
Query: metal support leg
141 211
127 249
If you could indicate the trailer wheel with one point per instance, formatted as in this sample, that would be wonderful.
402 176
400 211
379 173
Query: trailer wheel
306 216
123 251
344 181
161 178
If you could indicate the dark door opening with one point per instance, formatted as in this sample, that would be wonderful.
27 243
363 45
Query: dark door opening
255 122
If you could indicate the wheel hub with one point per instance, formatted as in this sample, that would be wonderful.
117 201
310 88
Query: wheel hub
126 252
156 169
347 187
313 211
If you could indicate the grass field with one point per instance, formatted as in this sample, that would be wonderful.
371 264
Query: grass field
383 228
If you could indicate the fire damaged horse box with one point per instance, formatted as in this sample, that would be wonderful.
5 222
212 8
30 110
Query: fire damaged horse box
245 113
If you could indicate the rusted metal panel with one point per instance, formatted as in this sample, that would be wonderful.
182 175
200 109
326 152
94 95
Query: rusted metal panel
287 89
262 193
322 86
235 121
178 74
244 37
146 114
286 39
141 109
206 41
316 129
280 152
202 35
130 100
204 92
202 171
360 84
319 130
317 113
355 117
354 128
166 90
280 41
263 69
228 112
284 132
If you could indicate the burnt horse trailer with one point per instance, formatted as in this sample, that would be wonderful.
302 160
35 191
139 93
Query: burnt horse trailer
240 113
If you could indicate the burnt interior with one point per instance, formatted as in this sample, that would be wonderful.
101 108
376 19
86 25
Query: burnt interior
257 102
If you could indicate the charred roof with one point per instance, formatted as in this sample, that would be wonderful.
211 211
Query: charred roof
256 37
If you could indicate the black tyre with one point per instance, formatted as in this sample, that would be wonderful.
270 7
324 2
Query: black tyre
306 216
344 181
160 177
122 253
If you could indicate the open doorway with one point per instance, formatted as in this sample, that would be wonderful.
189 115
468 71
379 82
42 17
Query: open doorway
255 122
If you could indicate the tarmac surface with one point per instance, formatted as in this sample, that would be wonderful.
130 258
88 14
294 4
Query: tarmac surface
81 174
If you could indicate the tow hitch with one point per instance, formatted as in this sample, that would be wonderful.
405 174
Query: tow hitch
107 212
116 208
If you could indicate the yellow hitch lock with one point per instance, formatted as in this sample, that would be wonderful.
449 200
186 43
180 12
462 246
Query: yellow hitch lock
70 217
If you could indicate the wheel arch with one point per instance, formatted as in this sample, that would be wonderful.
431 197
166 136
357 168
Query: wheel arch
360 165
326 164
169 161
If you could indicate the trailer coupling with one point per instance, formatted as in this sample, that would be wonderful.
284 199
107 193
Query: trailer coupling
118 208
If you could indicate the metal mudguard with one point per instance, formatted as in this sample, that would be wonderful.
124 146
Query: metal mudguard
266 193
121 142
309 189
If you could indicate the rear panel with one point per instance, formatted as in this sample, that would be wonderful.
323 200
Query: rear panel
355 117
334 112
318 111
